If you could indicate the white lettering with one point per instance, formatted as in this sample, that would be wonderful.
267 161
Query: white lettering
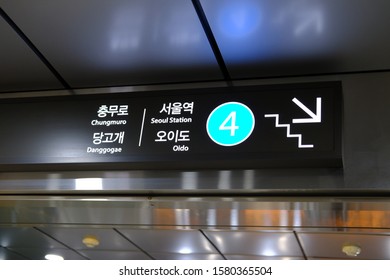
108 123
174 135
180 120
156 121
170 120
180 148
102 151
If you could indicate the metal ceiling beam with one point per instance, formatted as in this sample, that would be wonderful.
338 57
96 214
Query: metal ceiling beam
32 46
213 42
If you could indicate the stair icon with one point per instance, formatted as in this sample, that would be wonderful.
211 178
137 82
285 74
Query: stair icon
289 135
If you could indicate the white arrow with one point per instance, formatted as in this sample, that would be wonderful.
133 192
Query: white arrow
314 117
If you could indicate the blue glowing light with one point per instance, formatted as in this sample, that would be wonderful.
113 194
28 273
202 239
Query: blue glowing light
239 19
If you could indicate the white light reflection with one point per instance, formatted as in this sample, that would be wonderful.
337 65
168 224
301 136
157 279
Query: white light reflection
184 38
179 30
185 250
211 217
297 218
181 34
125 32
220 241
182 217
269 252
312 20
89 184
52 257
94 199
224 182
272 247
283 244
189 180
284 218
249 179
54 181
234 217
303 16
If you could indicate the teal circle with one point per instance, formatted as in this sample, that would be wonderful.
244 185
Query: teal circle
230 124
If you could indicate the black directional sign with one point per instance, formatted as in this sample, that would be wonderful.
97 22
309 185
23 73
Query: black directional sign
296 125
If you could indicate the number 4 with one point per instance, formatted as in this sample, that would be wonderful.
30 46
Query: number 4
232 127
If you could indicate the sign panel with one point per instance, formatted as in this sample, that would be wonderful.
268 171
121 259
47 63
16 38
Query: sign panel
296 125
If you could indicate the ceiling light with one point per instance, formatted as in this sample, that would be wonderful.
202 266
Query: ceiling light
52 257
351 250
91 241
185 251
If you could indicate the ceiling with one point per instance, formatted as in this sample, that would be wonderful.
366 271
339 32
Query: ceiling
64 45
189 228
72 47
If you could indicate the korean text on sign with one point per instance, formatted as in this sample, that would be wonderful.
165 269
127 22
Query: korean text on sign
113 110
108 137
176 108
175 136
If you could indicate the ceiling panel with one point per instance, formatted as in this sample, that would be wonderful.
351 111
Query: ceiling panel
40 253
199 228
267 244
372 246
9 255
292 37
26 237
113 255
251 257
170 241
20 68
105 43
73 238
167 256
29 243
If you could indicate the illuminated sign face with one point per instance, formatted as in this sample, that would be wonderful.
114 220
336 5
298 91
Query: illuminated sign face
294 125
